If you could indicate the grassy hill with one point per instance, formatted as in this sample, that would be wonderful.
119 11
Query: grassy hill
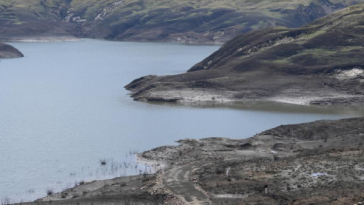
202 21
320 63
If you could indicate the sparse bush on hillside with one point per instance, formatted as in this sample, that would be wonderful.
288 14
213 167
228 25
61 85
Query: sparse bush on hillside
49 191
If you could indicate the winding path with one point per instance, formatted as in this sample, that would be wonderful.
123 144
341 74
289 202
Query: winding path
177 180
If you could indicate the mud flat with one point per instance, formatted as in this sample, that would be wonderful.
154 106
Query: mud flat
314 163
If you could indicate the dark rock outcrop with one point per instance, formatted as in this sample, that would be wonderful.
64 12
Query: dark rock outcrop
7 51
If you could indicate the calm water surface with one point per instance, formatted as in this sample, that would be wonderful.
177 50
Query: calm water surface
63 108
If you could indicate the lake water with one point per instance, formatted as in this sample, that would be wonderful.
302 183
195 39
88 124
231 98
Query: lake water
63 108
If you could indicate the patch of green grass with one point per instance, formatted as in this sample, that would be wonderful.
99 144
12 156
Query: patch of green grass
282 61
351 48
318 52
260 25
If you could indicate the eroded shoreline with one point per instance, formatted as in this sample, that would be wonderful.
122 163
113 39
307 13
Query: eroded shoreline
313 163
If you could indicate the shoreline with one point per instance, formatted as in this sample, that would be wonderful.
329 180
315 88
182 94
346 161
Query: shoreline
196 97
49 39
296 161
157 165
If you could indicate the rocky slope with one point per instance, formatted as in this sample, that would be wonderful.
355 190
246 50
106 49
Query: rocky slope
7 51
204 21
313 163
319 63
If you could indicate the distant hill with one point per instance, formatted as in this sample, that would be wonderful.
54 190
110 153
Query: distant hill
320 63
7 51
202 21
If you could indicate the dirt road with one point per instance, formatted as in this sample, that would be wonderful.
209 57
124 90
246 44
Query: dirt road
177 180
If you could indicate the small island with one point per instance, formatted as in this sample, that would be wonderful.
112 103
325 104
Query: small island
8 51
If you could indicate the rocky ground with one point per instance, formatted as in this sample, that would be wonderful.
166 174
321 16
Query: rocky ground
123 191
314 163
7 51
222 87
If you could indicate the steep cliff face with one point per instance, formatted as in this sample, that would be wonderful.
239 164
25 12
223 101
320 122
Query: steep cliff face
319 63
205 21
7 51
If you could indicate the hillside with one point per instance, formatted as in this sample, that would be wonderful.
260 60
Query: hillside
203 21
7 51
320 63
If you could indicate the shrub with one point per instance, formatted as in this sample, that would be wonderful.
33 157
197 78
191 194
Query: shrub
103 162
49 192
5 201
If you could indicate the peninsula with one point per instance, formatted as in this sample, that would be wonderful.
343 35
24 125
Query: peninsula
318 64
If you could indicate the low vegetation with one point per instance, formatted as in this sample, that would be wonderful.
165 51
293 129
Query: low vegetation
103 162
5 201
203 21
50 192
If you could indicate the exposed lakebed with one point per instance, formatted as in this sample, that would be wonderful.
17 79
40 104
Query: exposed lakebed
63 108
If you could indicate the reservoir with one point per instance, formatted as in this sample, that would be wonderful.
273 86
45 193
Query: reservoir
63 110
